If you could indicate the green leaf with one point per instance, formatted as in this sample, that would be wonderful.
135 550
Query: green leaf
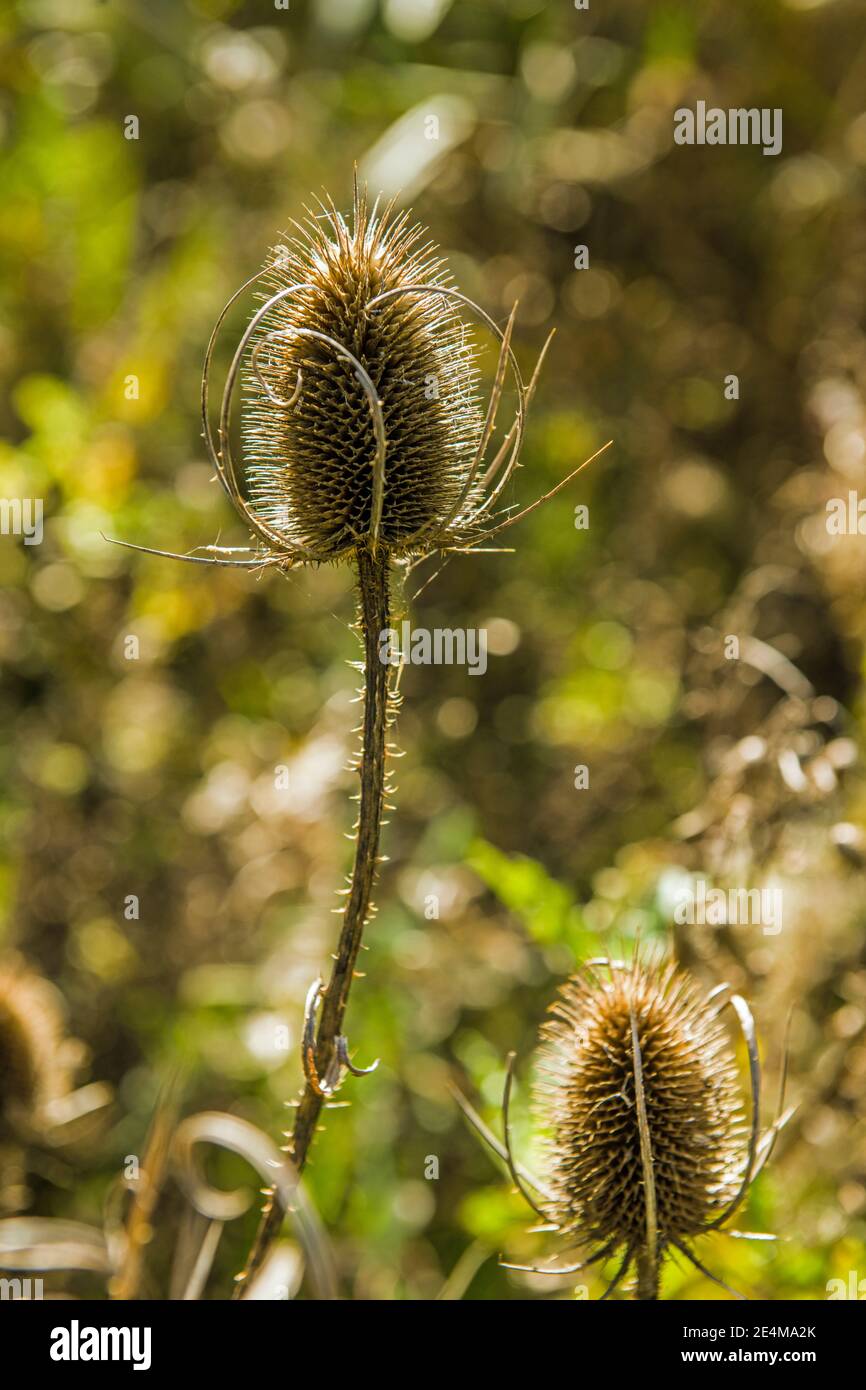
547 908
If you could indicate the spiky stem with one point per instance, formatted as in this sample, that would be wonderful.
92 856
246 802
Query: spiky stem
373 620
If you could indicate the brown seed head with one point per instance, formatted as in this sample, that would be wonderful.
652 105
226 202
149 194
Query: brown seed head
309 464
586 1098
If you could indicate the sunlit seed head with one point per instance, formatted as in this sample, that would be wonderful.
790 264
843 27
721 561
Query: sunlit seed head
585 1097
308 466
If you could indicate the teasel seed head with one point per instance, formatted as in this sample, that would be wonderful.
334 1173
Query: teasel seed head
37 1057
309 433
361 427
587 1097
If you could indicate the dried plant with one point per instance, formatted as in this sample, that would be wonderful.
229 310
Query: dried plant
116 1251
647 1141
363 442
37 1058
40 1104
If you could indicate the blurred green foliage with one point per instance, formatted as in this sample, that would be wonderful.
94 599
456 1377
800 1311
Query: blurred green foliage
151 775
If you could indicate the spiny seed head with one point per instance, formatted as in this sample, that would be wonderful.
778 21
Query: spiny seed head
309 465
585 1096
35 1054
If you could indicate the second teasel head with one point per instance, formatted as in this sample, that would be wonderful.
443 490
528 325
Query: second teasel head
587 1094
649 1140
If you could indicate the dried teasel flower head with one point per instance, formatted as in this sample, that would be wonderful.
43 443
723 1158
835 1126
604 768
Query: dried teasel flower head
37 1058
647 1139
361 428
587 1094
366 286
361 425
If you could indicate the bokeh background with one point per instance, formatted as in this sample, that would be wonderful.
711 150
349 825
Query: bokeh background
152 777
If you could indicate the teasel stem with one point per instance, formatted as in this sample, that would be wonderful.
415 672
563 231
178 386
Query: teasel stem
329 1049
647 1276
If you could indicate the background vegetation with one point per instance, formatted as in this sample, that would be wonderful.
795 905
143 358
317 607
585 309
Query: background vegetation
154 776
